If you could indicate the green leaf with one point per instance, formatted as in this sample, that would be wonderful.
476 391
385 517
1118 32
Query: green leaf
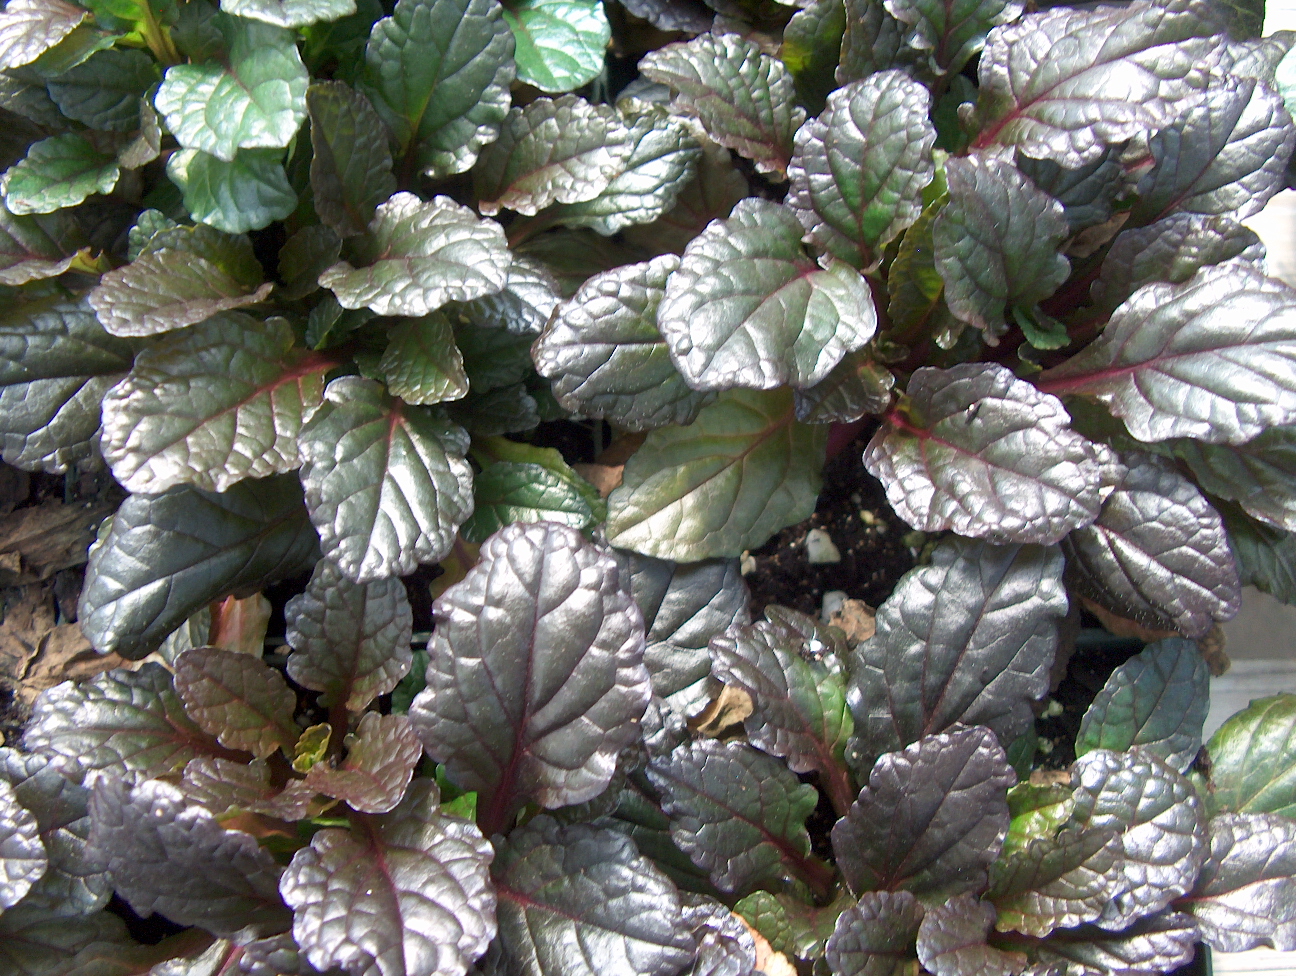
873 42
560 43
662 162
951 33
386 484
185 280
747 307
740 472
1266 556
792 926
419 255
523 308
1037 811
29 28
213 405
36 247
737 812
812 43
248 193
58 172
167 556
606 357
859 169
997 242
104 92
438 72
1156 701
563 150
351 167
1060 879
513 491
1259 475
305 256
289 13
1253 764
56 364
917 291
255 99
421 364
745 99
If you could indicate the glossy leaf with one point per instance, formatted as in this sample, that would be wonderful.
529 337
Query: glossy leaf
560 44
56 364
1174 359
249 193
35 943
876 936
255 99
58 172
791 926
1087 193
51 789
379 765
227 786
747 307
811 49
438 72
1156 701
952 941
351 171
212 406
23 860
859 169
738 813
104 92
386 484
1259 475
1057 881
170 287
1162 827
29 28
524 307
662 161
168 856
1266 556
578 900
606 357
793 669
1246 893
563 150
524 491
684 606
1252 769
996 242
417 256
238 698
1171 250
415 884
931 819
290 13
711 195
873 42
421 364
855 387
1133 68
129 723
985 454
36 247
169 555
1157 553
1159 943
535 675
740 472
725 946
967 640
949 34
745 99
1226 155
350 641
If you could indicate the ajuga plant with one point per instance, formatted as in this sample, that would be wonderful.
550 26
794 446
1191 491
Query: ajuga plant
308 276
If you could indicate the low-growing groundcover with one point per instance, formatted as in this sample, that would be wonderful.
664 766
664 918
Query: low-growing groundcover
305 275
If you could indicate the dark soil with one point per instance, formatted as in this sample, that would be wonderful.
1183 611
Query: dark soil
853 511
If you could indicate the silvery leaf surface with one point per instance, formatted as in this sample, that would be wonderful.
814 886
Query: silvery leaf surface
1259 475
875 937
747 307
1246 892
238 698
968 639
535 678
987 455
